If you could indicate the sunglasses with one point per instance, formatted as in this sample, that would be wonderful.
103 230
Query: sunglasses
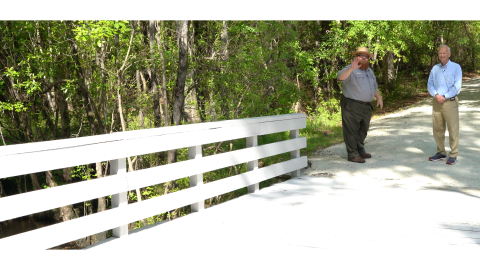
363 56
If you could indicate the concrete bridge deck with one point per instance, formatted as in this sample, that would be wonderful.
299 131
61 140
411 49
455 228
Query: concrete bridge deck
308 220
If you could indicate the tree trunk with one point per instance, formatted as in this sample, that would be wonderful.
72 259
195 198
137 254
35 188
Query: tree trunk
200 93
388 72
375 53
97 115
1 135
25 123
153 77
36 186
328 88
473 59
104 81
67 174
19 185
64 114
35 183
191 112
47 116
164 90
66 212
102 206
2 191
182 32
223 59
140 92
171 153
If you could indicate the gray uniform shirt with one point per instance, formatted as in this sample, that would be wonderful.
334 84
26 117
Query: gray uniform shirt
360 85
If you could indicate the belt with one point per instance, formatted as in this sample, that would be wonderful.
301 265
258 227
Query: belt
451 99
361 102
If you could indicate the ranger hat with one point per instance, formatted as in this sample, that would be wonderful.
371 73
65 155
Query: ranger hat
361 50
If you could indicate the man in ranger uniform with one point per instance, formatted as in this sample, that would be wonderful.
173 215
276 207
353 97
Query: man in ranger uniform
359 88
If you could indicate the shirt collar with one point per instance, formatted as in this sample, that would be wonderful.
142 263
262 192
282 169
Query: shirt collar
445 64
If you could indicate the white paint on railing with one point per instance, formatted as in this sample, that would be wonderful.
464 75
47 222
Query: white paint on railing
59 155
39 157
87 190
118 167
295 153
252 165
195 153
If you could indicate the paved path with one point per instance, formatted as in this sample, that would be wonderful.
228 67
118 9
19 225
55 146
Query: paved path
397 211
402 142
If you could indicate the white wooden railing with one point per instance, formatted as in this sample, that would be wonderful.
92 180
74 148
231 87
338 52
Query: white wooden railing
39 157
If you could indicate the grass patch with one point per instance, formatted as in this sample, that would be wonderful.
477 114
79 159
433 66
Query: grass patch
320 137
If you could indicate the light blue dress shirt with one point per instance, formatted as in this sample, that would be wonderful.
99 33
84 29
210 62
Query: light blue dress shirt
445 80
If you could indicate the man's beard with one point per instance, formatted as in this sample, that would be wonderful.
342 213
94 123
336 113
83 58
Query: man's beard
363 64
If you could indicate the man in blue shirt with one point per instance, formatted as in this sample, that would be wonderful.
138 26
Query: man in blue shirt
444 85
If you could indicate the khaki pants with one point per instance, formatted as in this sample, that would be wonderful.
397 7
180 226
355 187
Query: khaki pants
446 113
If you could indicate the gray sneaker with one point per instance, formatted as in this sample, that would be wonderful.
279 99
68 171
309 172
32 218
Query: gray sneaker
437 157
451 160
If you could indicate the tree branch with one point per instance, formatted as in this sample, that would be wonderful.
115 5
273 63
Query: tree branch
191 87
55 83
129 48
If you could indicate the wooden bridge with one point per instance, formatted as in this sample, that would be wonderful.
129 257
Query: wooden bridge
305 222
43 156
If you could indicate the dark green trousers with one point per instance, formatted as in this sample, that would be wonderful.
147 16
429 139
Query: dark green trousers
355 124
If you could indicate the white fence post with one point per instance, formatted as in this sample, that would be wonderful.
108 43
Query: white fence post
252 165
195 152
295 133
119 167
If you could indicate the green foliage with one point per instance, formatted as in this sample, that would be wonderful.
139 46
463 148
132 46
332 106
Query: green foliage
132 197
97 32
327 114
83 172
17 106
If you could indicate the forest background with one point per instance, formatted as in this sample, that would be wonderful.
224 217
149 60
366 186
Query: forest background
68 79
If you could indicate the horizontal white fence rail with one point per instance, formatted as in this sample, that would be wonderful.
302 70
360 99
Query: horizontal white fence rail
39 157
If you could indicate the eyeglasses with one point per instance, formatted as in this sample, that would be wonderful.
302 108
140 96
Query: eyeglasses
362 56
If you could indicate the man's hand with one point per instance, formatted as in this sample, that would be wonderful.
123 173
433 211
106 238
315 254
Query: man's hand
346 73
355 63
440 99
380 103
379 100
